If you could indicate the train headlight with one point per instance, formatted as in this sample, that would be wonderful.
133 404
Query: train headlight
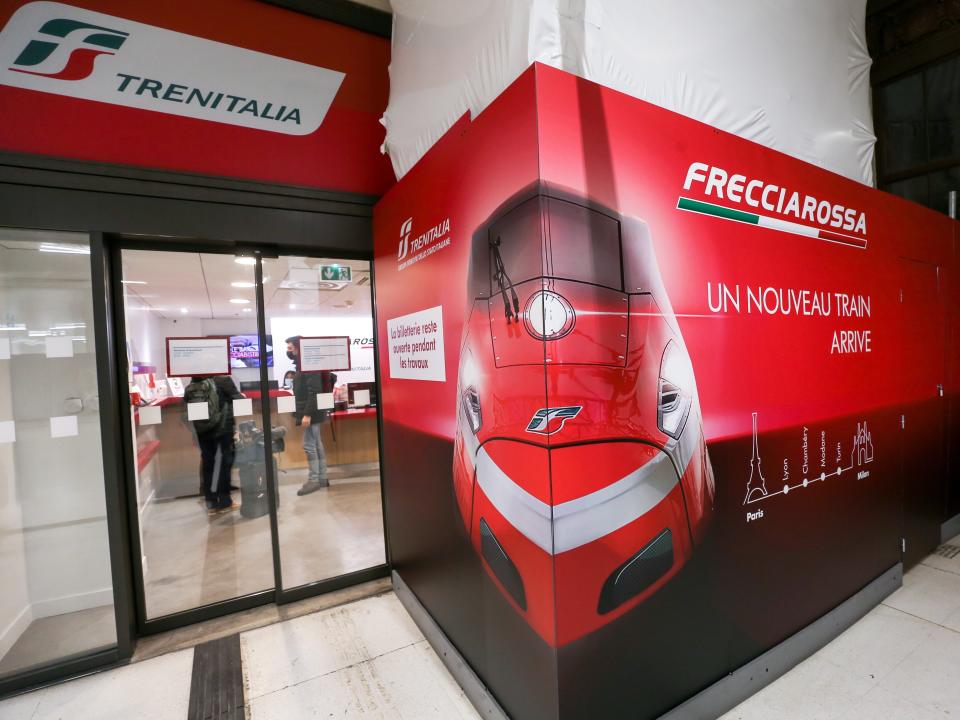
470 401
675 395
548 316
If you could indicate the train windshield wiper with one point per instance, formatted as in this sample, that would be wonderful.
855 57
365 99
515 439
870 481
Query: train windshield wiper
504 283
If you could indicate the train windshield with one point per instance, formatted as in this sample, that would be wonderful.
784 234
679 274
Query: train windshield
546 237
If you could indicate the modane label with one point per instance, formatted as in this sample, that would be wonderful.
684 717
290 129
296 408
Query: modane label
65 50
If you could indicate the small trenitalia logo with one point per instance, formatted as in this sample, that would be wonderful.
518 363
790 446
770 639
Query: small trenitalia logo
82 42
405 238
542 422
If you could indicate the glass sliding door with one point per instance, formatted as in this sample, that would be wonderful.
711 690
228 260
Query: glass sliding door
319 314
193 357
56 601
225 510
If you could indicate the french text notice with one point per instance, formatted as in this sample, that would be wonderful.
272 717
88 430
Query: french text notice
416 346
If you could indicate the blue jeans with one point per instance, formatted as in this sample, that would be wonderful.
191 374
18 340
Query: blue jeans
316 455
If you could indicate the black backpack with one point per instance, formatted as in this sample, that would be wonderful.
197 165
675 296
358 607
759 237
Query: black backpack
205 391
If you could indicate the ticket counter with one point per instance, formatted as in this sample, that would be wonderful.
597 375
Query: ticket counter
350 437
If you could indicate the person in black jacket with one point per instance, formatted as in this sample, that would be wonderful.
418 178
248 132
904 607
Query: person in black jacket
215 433
306 387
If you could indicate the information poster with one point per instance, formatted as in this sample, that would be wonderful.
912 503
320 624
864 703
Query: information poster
416 346
324 353
189 357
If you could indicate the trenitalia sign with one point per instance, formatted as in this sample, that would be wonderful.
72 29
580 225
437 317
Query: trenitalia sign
65 50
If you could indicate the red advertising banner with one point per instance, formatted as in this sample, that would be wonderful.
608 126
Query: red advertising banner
234 88
654 397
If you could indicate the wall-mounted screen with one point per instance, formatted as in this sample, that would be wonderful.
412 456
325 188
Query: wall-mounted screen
245 351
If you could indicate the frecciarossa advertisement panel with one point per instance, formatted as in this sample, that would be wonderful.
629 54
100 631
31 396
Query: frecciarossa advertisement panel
649 391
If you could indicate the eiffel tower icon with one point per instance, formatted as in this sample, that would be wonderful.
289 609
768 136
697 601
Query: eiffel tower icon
756 485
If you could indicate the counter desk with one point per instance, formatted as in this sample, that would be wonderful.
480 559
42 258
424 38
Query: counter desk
169 461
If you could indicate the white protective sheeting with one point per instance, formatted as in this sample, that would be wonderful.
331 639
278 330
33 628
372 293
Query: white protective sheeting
793 75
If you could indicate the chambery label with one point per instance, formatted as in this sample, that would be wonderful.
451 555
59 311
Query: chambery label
65 50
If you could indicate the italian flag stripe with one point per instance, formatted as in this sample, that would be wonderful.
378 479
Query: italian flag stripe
766 221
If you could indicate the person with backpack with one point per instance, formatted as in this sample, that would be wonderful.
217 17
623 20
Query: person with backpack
215 433
306 387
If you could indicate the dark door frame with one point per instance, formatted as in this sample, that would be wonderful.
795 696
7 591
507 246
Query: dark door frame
166 210
277 594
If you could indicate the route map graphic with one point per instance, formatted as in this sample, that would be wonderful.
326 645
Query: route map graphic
860 455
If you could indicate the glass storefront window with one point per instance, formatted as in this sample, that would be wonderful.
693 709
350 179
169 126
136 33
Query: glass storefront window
57 597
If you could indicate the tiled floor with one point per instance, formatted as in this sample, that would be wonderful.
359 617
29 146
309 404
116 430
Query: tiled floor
194 560
376 665
900 662
367 659
158 689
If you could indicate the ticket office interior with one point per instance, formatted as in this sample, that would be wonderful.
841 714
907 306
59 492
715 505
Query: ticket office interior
80 583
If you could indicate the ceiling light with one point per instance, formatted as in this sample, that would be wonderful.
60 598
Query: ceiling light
293 306
248 309
184 311
64 248
245 260
133 282
242 284
239 301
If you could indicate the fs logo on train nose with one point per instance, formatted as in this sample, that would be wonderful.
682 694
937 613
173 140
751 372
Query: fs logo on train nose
81 42
548 421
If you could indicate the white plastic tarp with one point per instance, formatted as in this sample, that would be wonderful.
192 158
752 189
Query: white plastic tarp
790 74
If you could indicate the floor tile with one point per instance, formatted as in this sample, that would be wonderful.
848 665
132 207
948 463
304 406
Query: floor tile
882 704
282 655
157 689
928 593
877 643
420 685
814 690
21 707
953 621
407 684
948 561
930 675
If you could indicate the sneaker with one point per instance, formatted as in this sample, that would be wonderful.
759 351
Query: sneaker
312 486
220 510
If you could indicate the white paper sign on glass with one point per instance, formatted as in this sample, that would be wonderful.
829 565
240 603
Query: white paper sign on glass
59 347
361 398
198 356
242 407
176 386
150 415
64 426
8 431
416 346
286 404
4 348
324 401
324 353
198 411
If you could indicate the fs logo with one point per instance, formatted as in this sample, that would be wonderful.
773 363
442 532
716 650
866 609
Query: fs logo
82 42
543 421
405 238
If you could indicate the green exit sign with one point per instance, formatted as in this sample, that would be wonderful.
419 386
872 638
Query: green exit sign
336 273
